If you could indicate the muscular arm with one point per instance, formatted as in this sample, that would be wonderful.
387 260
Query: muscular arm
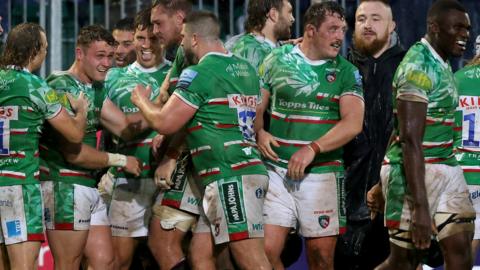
121 125
84 155
411 117
71 128
350 124
167 120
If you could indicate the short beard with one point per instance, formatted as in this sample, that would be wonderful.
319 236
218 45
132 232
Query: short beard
190 57
369 48
281 30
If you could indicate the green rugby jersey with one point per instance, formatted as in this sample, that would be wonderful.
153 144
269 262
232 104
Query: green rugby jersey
225 91
253 48
423 74
119 85
305 105
53 166
467 123
178 65
25 102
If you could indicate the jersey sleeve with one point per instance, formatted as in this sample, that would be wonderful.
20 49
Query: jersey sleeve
352 83
264 71
412 83
178 65
189 89
46 100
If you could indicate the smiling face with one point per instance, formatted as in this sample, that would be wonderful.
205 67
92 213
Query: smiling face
147 48
96 60
125 51
453 33
329 36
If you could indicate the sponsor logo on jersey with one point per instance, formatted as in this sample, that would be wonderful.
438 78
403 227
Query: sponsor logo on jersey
469 101
186 78
9 112
420 79
193 201
231 195
324 221
238 101
358 77
331 77
127 109
14 228
51 96
4 84
238 70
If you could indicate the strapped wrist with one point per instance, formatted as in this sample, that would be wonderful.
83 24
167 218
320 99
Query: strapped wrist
116 160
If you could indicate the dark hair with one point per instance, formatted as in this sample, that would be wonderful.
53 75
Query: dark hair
317 13
204 23
125 24
24 42
174 5
386 2
257 12
142 20
92 33
440 7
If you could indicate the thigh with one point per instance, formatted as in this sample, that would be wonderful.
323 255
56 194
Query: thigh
21 213
69 206
234 207
320 206
279 208
475 197
58 240
131 207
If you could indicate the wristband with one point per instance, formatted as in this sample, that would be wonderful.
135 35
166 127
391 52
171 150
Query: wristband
316 147
116 160
172 153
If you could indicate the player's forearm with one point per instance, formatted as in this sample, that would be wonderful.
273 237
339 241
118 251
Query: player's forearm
85 156
343 132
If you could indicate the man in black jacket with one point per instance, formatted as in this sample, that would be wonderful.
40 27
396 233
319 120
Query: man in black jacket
376 52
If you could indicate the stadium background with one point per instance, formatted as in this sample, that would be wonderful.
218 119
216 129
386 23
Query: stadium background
63 18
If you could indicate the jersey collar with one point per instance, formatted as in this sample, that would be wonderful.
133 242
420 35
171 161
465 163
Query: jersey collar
434 53
151 69
263 39
297 50
229 54
18 68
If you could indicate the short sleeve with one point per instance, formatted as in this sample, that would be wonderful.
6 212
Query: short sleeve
412 83
352 83
188 88
47 101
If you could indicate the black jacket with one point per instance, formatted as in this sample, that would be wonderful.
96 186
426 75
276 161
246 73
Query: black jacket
364 154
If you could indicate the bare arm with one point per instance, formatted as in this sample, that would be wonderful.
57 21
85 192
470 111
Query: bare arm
265 140
121 125
167 120
411 117
90 158
350 124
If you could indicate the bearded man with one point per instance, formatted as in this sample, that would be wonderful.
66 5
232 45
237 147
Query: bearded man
376 52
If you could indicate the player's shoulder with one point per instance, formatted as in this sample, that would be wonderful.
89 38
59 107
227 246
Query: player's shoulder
115 72
61 79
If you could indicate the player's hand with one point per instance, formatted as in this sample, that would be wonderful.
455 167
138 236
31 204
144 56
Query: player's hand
105 186
375 200
133 166
264 142
298 162
140 95
163 173
421 226
79 104
156 143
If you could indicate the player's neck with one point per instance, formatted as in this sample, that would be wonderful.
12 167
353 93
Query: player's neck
77 71
311 51
267 32
211 47
434 43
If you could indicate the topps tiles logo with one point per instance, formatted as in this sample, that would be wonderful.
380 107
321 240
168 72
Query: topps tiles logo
231 195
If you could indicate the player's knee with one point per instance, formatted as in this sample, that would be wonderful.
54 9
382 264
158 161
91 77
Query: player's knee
320 258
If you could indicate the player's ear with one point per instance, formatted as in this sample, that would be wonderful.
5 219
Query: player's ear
78 52
273 14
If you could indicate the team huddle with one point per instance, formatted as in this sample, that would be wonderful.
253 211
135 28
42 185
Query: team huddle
234 147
